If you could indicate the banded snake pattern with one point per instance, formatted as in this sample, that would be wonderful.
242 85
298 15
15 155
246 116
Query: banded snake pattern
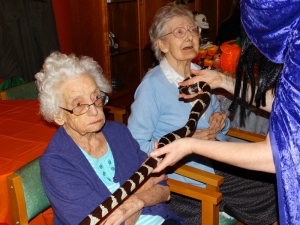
112 202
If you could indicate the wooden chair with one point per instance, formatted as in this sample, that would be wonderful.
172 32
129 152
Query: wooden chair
26 193
22 91
118 113
210 196
28 199
245 135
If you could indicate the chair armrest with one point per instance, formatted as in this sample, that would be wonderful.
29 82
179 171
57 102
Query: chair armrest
212 181
245 135
209 199
117 112
202 194
17 199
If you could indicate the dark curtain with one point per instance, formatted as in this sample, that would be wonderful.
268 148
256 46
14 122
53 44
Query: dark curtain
27 36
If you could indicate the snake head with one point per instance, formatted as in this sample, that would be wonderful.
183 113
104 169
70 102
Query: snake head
191 89
194 88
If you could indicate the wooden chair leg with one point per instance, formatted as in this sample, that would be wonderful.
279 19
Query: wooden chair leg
210 214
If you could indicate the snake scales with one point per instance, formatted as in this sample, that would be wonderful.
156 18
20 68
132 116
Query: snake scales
103 210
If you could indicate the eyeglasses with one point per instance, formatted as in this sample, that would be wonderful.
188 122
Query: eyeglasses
180 32
83 108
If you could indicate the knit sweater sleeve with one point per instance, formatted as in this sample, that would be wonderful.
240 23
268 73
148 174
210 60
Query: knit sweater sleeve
145 113
69 187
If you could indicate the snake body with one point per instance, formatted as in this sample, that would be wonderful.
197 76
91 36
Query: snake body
103 210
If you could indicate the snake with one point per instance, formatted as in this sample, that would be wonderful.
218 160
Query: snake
143 173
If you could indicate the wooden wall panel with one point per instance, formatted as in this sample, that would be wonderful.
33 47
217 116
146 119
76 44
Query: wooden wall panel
90 31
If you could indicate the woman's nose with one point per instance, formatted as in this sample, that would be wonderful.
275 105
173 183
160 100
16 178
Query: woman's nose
188 34
93 110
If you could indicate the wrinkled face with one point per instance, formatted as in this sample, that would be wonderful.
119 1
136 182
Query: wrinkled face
81 90
179 49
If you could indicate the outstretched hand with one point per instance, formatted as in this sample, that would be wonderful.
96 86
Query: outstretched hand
173 152
211 77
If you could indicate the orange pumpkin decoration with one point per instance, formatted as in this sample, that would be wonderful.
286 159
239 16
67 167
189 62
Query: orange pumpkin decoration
230 55
202 53
216 61
208 57
208 62
211 50
217 56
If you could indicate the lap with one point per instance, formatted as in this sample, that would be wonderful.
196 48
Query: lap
249 196
187 208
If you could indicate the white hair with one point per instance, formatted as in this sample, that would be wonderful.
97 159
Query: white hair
56 69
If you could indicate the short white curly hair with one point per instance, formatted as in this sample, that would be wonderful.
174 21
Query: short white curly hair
56 69
164 15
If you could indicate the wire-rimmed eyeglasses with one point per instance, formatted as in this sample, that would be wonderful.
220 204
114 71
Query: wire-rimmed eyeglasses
180 32
78 110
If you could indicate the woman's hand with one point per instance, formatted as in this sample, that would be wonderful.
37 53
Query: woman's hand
174 151
205 134
153 180
128 211
150 193
217 121
213 78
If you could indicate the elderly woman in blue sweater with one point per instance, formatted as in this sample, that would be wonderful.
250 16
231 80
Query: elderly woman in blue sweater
156 111
88 158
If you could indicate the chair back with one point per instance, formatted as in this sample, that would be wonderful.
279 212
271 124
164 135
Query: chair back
22 91
27 196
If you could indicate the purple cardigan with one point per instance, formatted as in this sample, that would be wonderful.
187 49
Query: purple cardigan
73 187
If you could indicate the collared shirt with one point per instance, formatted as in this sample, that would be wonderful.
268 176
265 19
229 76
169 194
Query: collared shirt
174 77
171 74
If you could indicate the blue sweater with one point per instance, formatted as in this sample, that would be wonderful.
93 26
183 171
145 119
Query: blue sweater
156 111
73 187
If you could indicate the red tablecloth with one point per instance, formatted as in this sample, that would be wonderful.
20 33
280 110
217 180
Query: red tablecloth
24 136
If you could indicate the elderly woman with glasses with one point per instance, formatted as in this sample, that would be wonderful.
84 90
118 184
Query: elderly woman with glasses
88 158
156 111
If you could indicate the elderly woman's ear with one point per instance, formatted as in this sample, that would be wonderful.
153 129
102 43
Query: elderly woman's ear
59 120
162 45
